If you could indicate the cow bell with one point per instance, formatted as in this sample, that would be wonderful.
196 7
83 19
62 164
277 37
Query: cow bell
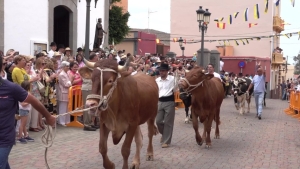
89 64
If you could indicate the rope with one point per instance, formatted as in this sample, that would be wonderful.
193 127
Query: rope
190 85
49 136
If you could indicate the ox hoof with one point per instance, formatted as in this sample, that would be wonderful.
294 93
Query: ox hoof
149 158
200 143
217 137
207 146
134 166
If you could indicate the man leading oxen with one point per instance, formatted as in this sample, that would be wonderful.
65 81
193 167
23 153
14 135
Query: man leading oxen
207 96
123 102
240 86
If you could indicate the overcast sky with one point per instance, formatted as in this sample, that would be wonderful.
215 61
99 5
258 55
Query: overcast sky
160 20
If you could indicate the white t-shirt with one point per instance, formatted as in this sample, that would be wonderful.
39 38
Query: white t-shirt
50 53
216 75
221 65
28 107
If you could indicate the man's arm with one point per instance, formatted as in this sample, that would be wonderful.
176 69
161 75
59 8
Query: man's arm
40 108
250 87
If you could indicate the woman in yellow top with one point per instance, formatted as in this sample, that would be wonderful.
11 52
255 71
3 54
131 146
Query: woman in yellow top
19 73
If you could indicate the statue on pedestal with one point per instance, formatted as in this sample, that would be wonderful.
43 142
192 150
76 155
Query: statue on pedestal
98 34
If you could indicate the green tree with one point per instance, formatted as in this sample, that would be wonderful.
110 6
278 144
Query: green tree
297 64
118 27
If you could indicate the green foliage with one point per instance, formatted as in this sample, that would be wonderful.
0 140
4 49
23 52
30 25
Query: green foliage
118 27
297 65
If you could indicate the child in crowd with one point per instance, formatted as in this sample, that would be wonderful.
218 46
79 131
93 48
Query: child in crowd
24 109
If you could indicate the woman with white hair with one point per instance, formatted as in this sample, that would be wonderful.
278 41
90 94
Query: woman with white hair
64 84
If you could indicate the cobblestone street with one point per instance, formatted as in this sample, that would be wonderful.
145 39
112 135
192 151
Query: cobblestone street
246 142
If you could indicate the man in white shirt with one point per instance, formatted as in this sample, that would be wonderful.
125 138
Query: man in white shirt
53 49
221 64
166 105
211 70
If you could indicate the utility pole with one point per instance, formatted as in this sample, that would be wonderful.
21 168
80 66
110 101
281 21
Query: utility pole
149 12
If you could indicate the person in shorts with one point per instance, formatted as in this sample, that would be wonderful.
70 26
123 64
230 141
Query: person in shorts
24 109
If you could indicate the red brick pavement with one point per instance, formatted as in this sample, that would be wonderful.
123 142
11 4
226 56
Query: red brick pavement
246 142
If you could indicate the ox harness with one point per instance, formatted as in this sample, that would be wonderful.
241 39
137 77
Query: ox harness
188 90
103 100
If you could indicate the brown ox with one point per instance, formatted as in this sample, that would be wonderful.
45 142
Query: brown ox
131 101
207 96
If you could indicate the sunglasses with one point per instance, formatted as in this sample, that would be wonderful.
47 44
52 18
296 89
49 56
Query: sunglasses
43 64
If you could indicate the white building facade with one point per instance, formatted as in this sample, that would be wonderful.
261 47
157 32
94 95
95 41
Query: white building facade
30 26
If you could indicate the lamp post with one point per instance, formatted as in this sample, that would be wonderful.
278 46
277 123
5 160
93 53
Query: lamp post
87 28
180 40
203 18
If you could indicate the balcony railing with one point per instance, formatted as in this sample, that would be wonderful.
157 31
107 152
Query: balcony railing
277 58
278 24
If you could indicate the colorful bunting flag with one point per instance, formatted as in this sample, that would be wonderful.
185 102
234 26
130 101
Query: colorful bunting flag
266 6
236 42
277 2
230 19
221 25
256 12
286 35
220 20
299 35
285 23
216 20
258 38
246 14
243 41
235 14
293 3
252 24
247 41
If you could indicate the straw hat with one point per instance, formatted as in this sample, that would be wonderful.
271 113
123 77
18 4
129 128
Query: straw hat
29 57
123 56
57 54
68 49
85 72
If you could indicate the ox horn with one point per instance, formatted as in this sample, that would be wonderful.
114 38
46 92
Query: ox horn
89 64
129 59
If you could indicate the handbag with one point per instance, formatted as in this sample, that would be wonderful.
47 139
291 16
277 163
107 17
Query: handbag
41 87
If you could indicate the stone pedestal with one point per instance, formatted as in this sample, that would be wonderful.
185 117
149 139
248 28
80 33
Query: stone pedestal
205 60
215 59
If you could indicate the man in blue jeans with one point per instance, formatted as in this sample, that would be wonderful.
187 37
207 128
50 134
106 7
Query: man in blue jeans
258 82
10 95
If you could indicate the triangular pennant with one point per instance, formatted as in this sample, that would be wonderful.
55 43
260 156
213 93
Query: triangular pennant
243 42
256 12
286 35
236 42
235 14
246 14
252 24
221 25
266 6
230 19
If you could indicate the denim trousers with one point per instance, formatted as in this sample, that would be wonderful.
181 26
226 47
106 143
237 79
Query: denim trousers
4 153
259 97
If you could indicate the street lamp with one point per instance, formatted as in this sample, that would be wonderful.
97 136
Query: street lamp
203 17
180 40
87 28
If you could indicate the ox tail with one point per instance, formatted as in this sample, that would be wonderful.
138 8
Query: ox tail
217 117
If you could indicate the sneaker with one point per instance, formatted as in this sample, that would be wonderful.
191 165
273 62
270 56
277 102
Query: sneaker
29 139
22 141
